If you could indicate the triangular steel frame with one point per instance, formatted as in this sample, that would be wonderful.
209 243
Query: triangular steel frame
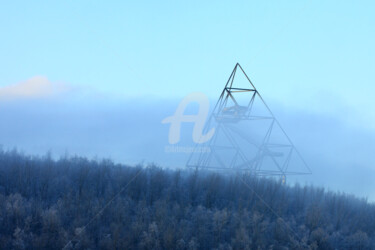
222 116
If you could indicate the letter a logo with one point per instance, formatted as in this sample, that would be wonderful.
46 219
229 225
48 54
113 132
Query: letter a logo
199 120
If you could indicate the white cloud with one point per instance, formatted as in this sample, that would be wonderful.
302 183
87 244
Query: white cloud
35 87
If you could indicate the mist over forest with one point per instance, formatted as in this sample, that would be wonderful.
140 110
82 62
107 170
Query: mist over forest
339 153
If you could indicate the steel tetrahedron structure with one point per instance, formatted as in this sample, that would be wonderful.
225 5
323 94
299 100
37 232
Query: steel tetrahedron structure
247 136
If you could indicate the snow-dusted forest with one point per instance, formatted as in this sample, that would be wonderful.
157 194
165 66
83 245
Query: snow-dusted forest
78 203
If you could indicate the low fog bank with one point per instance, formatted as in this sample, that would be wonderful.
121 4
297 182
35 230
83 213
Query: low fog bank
131 132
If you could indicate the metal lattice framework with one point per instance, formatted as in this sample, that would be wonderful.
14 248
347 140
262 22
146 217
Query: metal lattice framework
233 146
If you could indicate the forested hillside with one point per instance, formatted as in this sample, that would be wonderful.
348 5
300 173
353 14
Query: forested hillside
72 203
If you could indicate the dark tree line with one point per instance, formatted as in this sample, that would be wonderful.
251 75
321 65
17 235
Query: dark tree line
45 204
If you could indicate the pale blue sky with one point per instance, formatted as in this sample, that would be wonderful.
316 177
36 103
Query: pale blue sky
292 50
